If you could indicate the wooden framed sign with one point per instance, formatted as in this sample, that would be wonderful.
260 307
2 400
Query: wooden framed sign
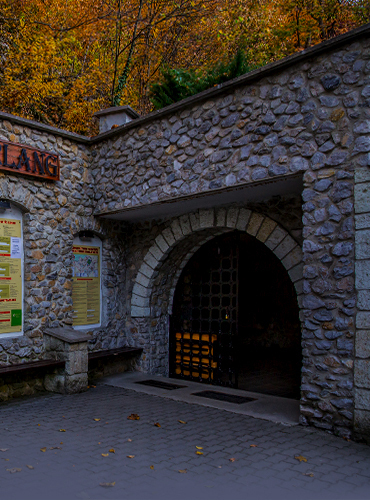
25 160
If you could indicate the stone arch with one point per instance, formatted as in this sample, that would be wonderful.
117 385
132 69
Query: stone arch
81 223
17 194
266 230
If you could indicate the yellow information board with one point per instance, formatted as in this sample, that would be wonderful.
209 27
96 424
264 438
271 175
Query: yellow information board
10 276
86 285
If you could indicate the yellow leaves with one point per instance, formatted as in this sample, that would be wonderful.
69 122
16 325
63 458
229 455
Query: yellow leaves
133 416
199 452
97 419
199 448
183 471
105 454
300 458
107 485
43 449
130 456
151 467
182 422
62 430
157 424
112 450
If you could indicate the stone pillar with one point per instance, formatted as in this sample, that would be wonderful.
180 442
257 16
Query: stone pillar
362 341
70 346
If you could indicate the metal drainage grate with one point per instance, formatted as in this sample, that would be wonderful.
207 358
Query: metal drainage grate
221 396
161 385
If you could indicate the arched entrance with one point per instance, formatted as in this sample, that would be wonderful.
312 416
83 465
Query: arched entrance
235 319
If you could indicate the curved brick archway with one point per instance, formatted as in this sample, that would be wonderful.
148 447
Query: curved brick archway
266 230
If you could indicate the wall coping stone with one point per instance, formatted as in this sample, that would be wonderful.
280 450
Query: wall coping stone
68 334
248 78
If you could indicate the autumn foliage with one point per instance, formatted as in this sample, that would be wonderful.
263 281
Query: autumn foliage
63 60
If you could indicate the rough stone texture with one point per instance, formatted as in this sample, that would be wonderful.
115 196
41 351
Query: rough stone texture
308 120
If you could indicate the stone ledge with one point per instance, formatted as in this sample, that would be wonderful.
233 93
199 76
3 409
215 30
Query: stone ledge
68 334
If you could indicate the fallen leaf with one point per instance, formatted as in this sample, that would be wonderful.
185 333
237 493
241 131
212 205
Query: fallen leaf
183 471
107 485
61 442
130 456
6 459
300 458
199 452
182 421
310 474
129 440
112 450
15 469
232 459
43 449
105 454
199 448
219 466
99 442
252 446
97 419
133 416
55 448
93 386
62 430
4 449
152 467
39 425
157 424
30 466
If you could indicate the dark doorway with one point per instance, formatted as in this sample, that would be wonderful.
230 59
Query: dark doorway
235 319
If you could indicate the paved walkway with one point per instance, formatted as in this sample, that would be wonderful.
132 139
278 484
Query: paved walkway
243 457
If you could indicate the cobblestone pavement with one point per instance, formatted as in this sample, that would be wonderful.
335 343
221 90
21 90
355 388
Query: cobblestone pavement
72 465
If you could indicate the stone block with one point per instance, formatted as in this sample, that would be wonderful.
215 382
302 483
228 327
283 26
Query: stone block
362 198
76 383
362 274
194 221
176 229
362 373
277 235
362 344
284 247
140 312
362 244
362 425
150 260
362 221
206 218
243 219
232 217
55 383
142 280
298 285
362 174
146 270
220 217
362 399
140 301
162 243
156 252
168 236
293 258
140 290
77 362
363 319
185 224
255 223
268 225
363 300
296 273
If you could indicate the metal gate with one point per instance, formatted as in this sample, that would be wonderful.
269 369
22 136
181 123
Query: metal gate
204 324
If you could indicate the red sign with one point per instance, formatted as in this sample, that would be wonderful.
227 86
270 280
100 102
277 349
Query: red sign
20 159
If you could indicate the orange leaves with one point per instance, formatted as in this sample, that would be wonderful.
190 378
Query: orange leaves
300 458
133 416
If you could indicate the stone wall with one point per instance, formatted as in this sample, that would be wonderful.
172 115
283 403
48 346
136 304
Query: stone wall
53 213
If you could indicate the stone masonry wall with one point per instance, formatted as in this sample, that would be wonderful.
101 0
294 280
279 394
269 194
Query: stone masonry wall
53 213
309 118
